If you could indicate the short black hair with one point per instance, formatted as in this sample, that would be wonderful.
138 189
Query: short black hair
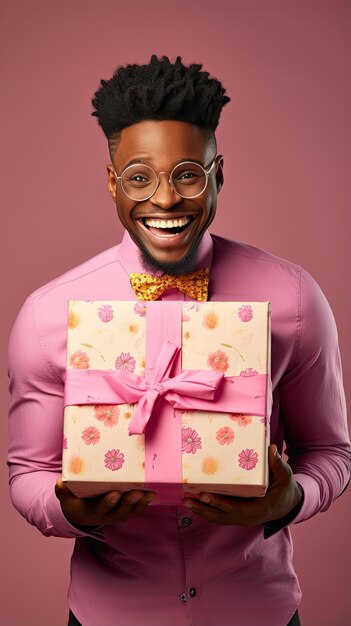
159 90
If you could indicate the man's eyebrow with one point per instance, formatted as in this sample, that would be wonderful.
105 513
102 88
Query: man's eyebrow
137 160
147 161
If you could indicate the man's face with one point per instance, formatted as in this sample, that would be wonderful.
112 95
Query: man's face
162 145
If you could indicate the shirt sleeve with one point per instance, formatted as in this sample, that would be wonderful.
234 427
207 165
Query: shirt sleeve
313 405
35 429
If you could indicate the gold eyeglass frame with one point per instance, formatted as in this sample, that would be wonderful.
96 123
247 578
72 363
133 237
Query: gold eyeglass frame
170 179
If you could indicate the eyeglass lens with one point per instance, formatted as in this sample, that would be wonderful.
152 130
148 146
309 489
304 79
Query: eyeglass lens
140 181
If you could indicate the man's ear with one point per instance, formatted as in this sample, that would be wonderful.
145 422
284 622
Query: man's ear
111 182
219 172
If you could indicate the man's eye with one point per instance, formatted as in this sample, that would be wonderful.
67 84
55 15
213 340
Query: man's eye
185 175
187 178
138 180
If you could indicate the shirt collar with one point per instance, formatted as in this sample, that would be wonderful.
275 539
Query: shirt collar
130 255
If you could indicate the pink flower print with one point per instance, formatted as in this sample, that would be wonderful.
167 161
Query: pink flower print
79 360
114 460
64 444
195 306
190 306
125 362
248 459
190 440
241 420
107 413
245 313
248 372
225 436
91 435
140 309
105 313
218 361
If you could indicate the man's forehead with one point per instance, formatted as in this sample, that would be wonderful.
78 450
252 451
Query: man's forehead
151 139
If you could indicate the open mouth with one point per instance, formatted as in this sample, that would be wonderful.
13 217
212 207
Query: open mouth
169 226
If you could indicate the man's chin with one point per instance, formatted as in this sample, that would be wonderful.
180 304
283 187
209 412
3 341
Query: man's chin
174 268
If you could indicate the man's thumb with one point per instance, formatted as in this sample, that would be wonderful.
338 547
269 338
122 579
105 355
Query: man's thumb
275 461
61 490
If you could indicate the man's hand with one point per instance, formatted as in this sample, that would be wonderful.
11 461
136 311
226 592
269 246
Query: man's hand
109 508
282 496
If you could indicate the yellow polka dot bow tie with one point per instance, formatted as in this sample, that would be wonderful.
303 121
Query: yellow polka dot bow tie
149 287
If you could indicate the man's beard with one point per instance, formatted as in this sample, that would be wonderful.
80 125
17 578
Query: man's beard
175 268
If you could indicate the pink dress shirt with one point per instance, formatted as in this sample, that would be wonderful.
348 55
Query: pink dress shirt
168 565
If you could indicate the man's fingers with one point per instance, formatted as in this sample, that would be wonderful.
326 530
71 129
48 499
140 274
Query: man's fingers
224 509
87 508
140 505
102 505
129 504
222 503
107 508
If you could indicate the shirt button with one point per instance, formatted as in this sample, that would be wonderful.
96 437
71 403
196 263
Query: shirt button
182 597
186 521
192 592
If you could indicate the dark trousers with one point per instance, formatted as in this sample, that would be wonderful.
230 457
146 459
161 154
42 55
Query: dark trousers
293 622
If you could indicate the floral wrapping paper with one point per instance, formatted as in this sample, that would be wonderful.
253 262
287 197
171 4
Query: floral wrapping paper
220 452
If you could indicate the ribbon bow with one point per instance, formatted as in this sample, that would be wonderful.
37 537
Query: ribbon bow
148 287
136 389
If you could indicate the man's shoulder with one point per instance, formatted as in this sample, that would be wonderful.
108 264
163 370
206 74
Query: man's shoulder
91 271
243 271
42 319
227 250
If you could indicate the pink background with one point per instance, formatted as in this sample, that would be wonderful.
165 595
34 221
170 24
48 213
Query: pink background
286 140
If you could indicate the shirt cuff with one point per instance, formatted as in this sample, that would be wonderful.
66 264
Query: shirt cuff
311 503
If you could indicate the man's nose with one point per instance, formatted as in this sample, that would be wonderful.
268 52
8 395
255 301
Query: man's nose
165 197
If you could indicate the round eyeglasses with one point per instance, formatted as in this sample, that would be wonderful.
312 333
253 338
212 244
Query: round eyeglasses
188 179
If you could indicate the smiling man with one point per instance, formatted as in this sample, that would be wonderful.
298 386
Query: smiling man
170 196
217 561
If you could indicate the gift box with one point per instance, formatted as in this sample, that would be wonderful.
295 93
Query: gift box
170 396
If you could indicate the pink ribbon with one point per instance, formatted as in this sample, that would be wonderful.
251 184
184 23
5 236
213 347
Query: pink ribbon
194 384
190 390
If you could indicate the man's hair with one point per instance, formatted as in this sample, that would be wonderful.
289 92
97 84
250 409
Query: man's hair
159 90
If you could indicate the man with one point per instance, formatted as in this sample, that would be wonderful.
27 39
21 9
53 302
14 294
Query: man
219 561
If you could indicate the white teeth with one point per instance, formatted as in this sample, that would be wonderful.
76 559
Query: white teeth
181 221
